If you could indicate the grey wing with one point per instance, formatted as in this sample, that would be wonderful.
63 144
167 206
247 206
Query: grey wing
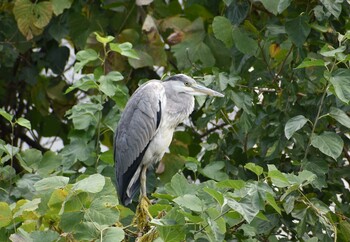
137 126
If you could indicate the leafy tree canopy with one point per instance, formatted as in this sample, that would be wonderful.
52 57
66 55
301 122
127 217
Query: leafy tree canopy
269 162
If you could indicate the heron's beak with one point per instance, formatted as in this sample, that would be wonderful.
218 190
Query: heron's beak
202 90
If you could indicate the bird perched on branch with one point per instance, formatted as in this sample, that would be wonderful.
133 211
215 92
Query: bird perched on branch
146 128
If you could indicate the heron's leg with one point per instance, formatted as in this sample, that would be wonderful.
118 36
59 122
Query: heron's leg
143 181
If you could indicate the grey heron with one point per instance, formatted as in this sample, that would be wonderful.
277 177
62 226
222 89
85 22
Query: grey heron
146 128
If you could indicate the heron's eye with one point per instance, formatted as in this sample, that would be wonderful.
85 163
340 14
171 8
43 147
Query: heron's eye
187 83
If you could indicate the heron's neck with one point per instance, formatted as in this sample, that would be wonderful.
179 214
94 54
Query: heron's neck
179 106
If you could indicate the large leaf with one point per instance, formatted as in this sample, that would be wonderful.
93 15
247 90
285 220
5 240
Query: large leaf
340 80
333 6
171 227
32 17
244 207
340 116
103 210
298 29
179 186
277 177
222 29
84 57
328 143
84 114
190 201
107 83
50 183
311 63
258 170
275 6
58 6
293 125
214 171
48 235
113 234
92 184
244 43
5 214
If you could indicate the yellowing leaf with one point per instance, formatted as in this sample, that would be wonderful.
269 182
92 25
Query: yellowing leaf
274 49
32 17
5 214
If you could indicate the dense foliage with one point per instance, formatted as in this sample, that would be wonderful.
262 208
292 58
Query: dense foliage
269 162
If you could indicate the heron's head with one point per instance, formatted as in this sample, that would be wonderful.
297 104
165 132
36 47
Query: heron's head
184 84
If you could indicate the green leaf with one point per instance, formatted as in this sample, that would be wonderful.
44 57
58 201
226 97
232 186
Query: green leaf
244 43
340 80
340 116
277 177
51 183
244 208
5 214
222 29
271 201
215 194
47 235
107 85
214 171
329 51
190 201
344 229
258 170
27 206
92 184
242 100
84 115
103 40
275 6
311 63
83 57
179 186
293 125
144 60
328 143
58 6
30 159
237 12
333 6
171 227
113 234
85 83
87 231
49 163
298 29
103 210
69 220
108 157
6 115
125 49
234 184
24 123
189 52
217 225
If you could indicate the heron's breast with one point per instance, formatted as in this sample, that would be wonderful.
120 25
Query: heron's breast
159 145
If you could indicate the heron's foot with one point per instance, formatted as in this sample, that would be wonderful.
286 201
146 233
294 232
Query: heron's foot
143 216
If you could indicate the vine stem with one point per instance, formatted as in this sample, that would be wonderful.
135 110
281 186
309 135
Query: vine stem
316 120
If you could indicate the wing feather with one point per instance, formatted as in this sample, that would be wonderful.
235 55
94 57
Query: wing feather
137 126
